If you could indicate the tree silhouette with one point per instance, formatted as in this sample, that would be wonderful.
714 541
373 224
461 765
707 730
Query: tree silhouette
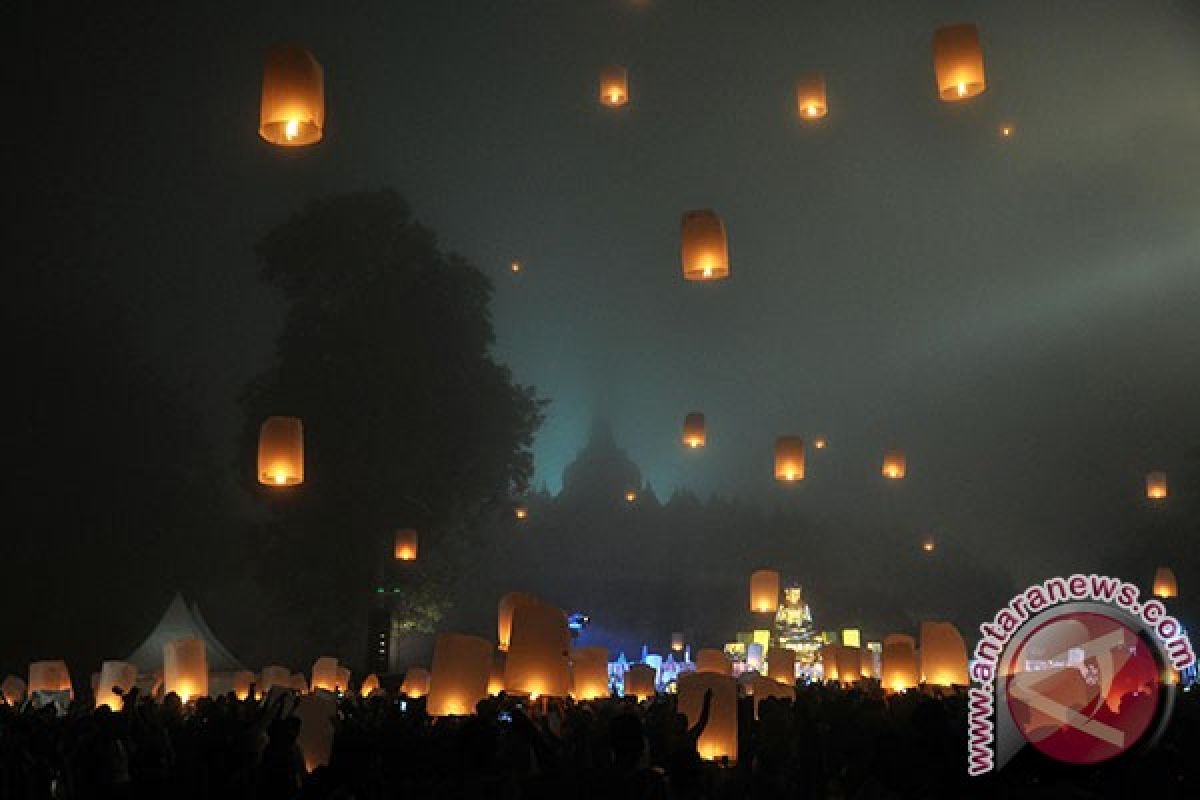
409 422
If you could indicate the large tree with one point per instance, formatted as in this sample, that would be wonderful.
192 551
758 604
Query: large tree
385 355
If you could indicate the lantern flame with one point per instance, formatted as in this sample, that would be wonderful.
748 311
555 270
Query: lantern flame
292 129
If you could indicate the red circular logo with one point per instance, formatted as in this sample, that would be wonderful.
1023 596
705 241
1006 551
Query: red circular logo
1083 687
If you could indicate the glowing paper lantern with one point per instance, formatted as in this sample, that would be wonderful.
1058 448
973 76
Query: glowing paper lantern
820 442
898 665
293 97
829 662
281 452
810 96
614 85
325 674
1156 485
50 676
589 673
943 655
709 659
315 739
789 459
119 674
405 545
1007 131
504 615
460 674
274 676
639 681
13 690
781 666
1165 585
496 676
704 247
515 266
416 682
958 62
185 668
370 684
521 512
895 466
694 433
849 664
343 679
630 495
298 683
242 680
764 591
677 642
763 688
719 740
537 655
929 545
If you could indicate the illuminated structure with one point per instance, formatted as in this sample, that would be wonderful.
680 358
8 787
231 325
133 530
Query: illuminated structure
794 627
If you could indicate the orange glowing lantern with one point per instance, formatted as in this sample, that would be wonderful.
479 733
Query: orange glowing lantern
958 62
764 591
677 641
820 442
789 459
1165 585
694 433
537 655
895 465
416 682
13 690
631 495
810 97
185 668
704 246
614 85
405 545
315 738
719 739
504 615
929 545
521 512
496 676
50 676
459 681
1007 131
281 452
1156 485
293 97
829 662
273 676
114 675
515 267
781 665
898 665
639 681
343 679
761 689
943 655
369 685
589 673
242 680
709 659
325 674
299 683
849 664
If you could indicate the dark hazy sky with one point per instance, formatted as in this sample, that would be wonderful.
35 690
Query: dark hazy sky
1019 315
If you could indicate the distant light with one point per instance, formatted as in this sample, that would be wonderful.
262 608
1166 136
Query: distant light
515 266
820 443
1007 131
630 496
928 546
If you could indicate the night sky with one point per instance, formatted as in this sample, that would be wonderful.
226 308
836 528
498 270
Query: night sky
1018 314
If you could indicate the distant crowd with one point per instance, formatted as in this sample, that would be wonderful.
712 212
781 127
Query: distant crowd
829 743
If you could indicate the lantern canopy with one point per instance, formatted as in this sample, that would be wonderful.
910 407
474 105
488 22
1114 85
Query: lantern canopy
315 737
719 739
764 591
614 85
898 665
677 641
325 674
50 676
496 676
243 679
405 545
709 659
13 690
185 668
1156 485
589 673
694 432
958 62
943 655
114 674
293 97
281 452
895 465
781 665
343 678
416 682
704 248
520 512
537 655
370 684
639 681
810 96
1165 585
849 664
789 459
504 615
765 688
460 674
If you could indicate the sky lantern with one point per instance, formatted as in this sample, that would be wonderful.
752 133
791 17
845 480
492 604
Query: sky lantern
810 96
325 674
639 681
764 591
496 676
242 680
895 465
704 248
504 615
899 663
273 676
315 738
789 459
958 62
293 97
781 666
343 678
589 673
1165 585
829 665
929 545
520 512
299 683
709 659
405 545
849 664
50 676
370 684
762 688
943 655
1007 130
537 655
13 690
281 452
694 432
677 641
1156 485
614 85
459 679
416 682
515 266
185 668
631 495
119 674
820 442
719 740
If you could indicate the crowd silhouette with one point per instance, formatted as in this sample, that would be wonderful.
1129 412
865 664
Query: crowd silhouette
829 743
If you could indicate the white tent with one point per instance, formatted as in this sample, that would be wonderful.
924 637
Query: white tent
181 622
